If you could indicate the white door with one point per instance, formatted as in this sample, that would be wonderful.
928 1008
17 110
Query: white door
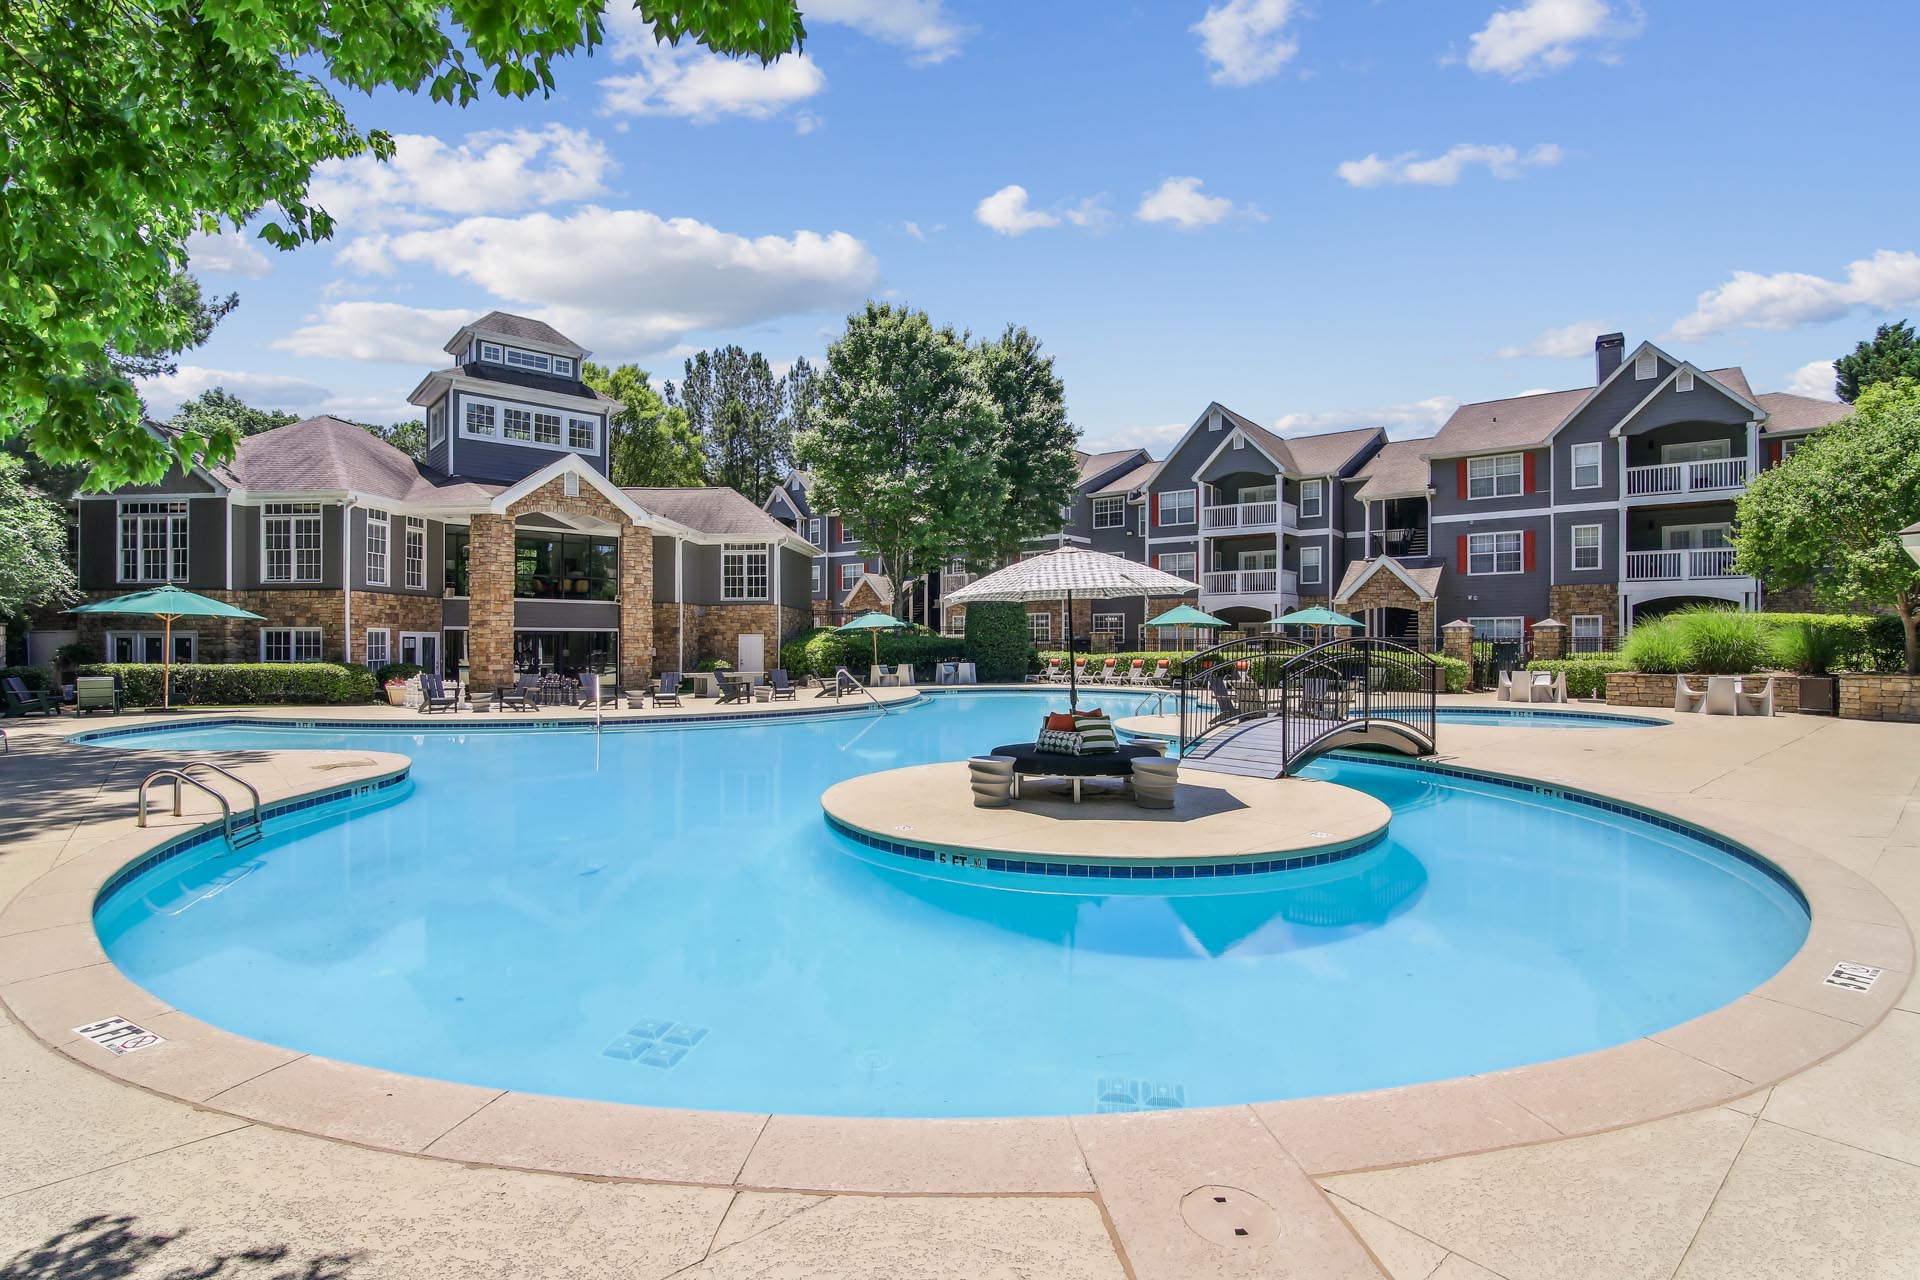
753 651
421 648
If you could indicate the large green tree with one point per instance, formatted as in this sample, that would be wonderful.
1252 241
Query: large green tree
904 441
1893 353
735 406
1036 442
218 411
130 124
653 444
1831 514
33 545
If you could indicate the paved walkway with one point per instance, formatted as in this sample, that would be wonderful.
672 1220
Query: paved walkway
1817 1177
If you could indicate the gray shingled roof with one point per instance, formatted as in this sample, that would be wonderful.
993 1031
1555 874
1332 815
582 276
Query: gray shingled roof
1399 469
1427 579
1127 481
510 378
1506 424
1275 446
1092 465
328 454
882 587
525 328
1327 453
1788 414
713 509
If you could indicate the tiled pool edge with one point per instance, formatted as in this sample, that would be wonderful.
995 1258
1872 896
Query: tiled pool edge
847 1139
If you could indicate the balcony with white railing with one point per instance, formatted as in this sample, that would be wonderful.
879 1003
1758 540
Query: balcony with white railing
1250 517
1249 586
1680 566
1718 476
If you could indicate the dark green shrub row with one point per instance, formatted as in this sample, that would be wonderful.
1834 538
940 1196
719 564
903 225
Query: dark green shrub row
819 651
237 683
1458 672
1850 641
35 678
997 644
1718 641
393 671
1586 673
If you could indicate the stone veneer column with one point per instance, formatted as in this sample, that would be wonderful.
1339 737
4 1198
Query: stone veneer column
636 607
490 602
1457 640
1549 639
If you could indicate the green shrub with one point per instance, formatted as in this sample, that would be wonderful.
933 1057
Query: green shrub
1586 673
1657 646
997 642
37 679
819 651
1458 672
392 671
1863 641
239 683
74 655
1718 641
1807 648
1724 642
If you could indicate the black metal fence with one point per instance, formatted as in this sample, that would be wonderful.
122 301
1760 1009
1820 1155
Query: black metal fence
1313 693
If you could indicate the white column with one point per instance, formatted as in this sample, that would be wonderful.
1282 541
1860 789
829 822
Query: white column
680 601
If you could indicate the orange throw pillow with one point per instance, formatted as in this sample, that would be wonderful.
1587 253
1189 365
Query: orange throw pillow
1059 720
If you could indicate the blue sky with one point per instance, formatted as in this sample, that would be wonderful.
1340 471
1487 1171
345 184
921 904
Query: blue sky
1320 214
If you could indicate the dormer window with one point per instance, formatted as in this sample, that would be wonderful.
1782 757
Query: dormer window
1646 365
490 351
1683 381
563 366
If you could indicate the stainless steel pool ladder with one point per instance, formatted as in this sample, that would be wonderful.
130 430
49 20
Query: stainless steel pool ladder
855 682
247 832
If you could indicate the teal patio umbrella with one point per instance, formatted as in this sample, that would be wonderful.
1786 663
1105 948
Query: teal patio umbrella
1185 615
166 604
1316 617
875 622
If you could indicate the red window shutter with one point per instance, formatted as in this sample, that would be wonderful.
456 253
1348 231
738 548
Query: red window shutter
1526 633
1153 501
1156 561
1775 453
1463 548
1527 540
1461 474
1527 481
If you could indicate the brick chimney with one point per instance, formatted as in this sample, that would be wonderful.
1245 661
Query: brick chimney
1607 350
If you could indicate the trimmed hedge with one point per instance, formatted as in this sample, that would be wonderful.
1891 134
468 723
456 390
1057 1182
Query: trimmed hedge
1586 673
1862 641
997 644
402 671
1718 641
239 683
37 679
819 651
1458 672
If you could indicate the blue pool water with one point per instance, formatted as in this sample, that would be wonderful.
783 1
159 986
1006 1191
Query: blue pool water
1521 718
662 916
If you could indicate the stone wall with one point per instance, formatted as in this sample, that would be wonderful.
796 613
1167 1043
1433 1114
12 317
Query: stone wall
1385 591
235 640
714 631
395 612
1877 696
1082 619
1643 689
1566 599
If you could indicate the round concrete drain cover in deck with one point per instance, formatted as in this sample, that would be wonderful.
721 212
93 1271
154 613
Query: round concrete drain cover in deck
1229 1216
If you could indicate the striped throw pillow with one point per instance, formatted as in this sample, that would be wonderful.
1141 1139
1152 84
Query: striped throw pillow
1058 742
1096 734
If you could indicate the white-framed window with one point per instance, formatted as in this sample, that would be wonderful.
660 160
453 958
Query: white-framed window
1589 632
953 622
546 428
290 644
483 419
743 571
1683 380
846 534
1508 630
1789 447
1181 564
1501 476
150 646
153 541
290 542
1040 628
1239 441
819 577
1496 552
1586 546
1696 451
956 568
1177 506
1646 365
816 531
1697 537
416 554
379 646
490 351
1313 565
583 434
1110 513
379 540
519 424
850 574
1586 466
1110 624
563 366
1312 499
437 423
538 361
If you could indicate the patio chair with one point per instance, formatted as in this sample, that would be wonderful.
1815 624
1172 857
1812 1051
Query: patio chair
732 688
1224 705
1686 697
1506 687
22 701
1544 686
1082 671
512 698
1162 672
1137 673
1757 703
1056 673
434 695
777 689
1047 674
97 693
1108 670
668 694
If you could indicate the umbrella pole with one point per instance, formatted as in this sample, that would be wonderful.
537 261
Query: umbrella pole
166 662
1073 683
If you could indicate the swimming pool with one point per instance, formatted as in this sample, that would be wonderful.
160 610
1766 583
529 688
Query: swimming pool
1527 718
661 916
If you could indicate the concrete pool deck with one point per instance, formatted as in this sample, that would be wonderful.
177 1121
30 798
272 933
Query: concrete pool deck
1815 1175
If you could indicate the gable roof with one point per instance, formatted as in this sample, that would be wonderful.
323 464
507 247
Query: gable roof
1788 414
1275 447
882 589
1127 481
1514 423
1399 470
329 455
715 510
1328 453
1094 465
1424 583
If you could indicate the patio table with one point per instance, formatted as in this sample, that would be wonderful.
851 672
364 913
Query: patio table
1722 696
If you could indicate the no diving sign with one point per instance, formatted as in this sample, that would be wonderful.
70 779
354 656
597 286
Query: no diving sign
117 1035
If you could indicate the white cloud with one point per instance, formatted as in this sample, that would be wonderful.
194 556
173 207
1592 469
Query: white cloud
382 331
1815 379
1007 212
924 234
227 252
1788 299
1407 421
1178 200
165 393
630 277
1545 35
1156 438
922 27
496 171
1567 341
691 81
1408 169
1247 40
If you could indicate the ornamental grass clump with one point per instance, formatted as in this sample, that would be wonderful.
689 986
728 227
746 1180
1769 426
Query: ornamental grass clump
1656 646
1724 642
1808 648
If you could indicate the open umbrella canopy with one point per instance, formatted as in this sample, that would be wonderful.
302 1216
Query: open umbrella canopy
1070 571
1315 617
1185 615
166 603
875 622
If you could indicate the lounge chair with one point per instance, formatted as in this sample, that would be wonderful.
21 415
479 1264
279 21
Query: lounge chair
513 698
434 695
22 701
1756 703
1108 670
1224 705
1054 673
1082 672
1686 697
1137 673
776 689
668 694
97 693
1162 672
842 682
733 688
